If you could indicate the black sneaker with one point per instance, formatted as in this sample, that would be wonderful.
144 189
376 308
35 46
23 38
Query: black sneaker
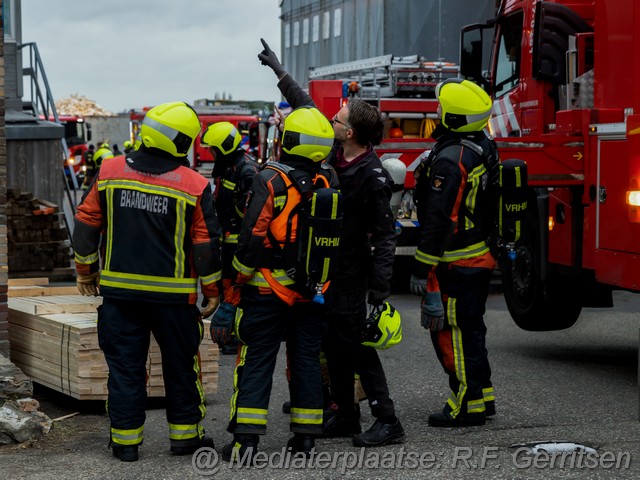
189 447
286 407
339 426
125 453
443 420
301 443
241 449
380 434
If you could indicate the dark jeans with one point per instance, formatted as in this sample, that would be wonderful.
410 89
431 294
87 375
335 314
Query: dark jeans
347 356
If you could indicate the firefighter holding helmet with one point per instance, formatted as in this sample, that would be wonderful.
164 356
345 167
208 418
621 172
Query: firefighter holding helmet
155 221
233 172
274 304
456 188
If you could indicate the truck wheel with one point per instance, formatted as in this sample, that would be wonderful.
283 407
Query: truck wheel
536 305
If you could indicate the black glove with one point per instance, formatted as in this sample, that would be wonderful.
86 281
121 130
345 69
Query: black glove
418 285
270 59
432 311
376 297
222 324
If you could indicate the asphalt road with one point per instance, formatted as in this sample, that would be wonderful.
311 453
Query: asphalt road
578 385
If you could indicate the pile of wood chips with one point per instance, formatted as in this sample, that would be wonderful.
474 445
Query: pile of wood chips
53 339
81 106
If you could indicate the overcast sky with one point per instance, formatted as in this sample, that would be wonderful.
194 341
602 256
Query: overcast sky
128 54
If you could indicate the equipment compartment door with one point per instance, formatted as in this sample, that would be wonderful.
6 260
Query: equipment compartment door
615 231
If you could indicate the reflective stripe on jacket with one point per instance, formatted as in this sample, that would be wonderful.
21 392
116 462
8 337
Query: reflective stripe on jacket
270 213
158 233
454 201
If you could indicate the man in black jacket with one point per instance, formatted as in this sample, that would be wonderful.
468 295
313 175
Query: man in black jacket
364 268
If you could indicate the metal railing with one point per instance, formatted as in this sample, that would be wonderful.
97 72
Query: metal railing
42 104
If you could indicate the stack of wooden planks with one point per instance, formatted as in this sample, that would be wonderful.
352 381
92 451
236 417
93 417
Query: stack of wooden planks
53 339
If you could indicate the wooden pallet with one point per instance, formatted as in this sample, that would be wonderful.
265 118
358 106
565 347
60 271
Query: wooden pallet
53 339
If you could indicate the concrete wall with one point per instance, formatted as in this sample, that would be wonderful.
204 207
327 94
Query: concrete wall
114 129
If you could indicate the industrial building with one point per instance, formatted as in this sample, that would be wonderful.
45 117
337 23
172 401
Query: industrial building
317 33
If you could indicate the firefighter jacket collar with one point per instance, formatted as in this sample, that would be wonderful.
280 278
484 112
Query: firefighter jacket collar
442 134
222 162
300 163
154 161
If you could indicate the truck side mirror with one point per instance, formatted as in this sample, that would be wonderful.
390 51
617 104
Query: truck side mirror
554 24
88 125
472 53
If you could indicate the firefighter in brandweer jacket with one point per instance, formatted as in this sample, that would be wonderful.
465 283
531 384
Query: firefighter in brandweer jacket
154 220
456 190
364 268
273 306
233 172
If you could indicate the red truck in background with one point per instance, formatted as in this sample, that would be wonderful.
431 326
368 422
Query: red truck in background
565 81
403 89
252 129
77 135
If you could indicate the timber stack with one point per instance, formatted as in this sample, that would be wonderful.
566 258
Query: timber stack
53 339
38 238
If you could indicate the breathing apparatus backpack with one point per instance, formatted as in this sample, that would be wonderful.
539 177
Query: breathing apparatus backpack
512 204
313 257
507 182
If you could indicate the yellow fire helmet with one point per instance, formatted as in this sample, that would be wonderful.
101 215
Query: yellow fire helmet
307 133
466 107
222 135
101 154
383 328
170 127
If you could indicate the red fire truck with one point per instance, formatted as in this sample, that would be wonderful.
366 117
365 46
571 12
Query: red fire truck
566 89
403 88
77 133
252 129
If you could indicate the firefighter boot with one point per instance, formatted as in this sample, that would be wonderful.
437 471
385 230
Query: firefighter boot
444 420
124 453
301 443
489 408
189 447
242 449
340 425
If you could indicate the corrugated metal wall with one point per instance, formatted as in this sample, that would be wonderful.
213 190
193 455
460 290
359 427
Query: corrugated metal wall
35 166
324 32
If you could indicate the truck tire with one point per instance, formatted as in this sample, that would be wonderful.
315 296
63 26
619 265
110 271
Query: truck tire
537 304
